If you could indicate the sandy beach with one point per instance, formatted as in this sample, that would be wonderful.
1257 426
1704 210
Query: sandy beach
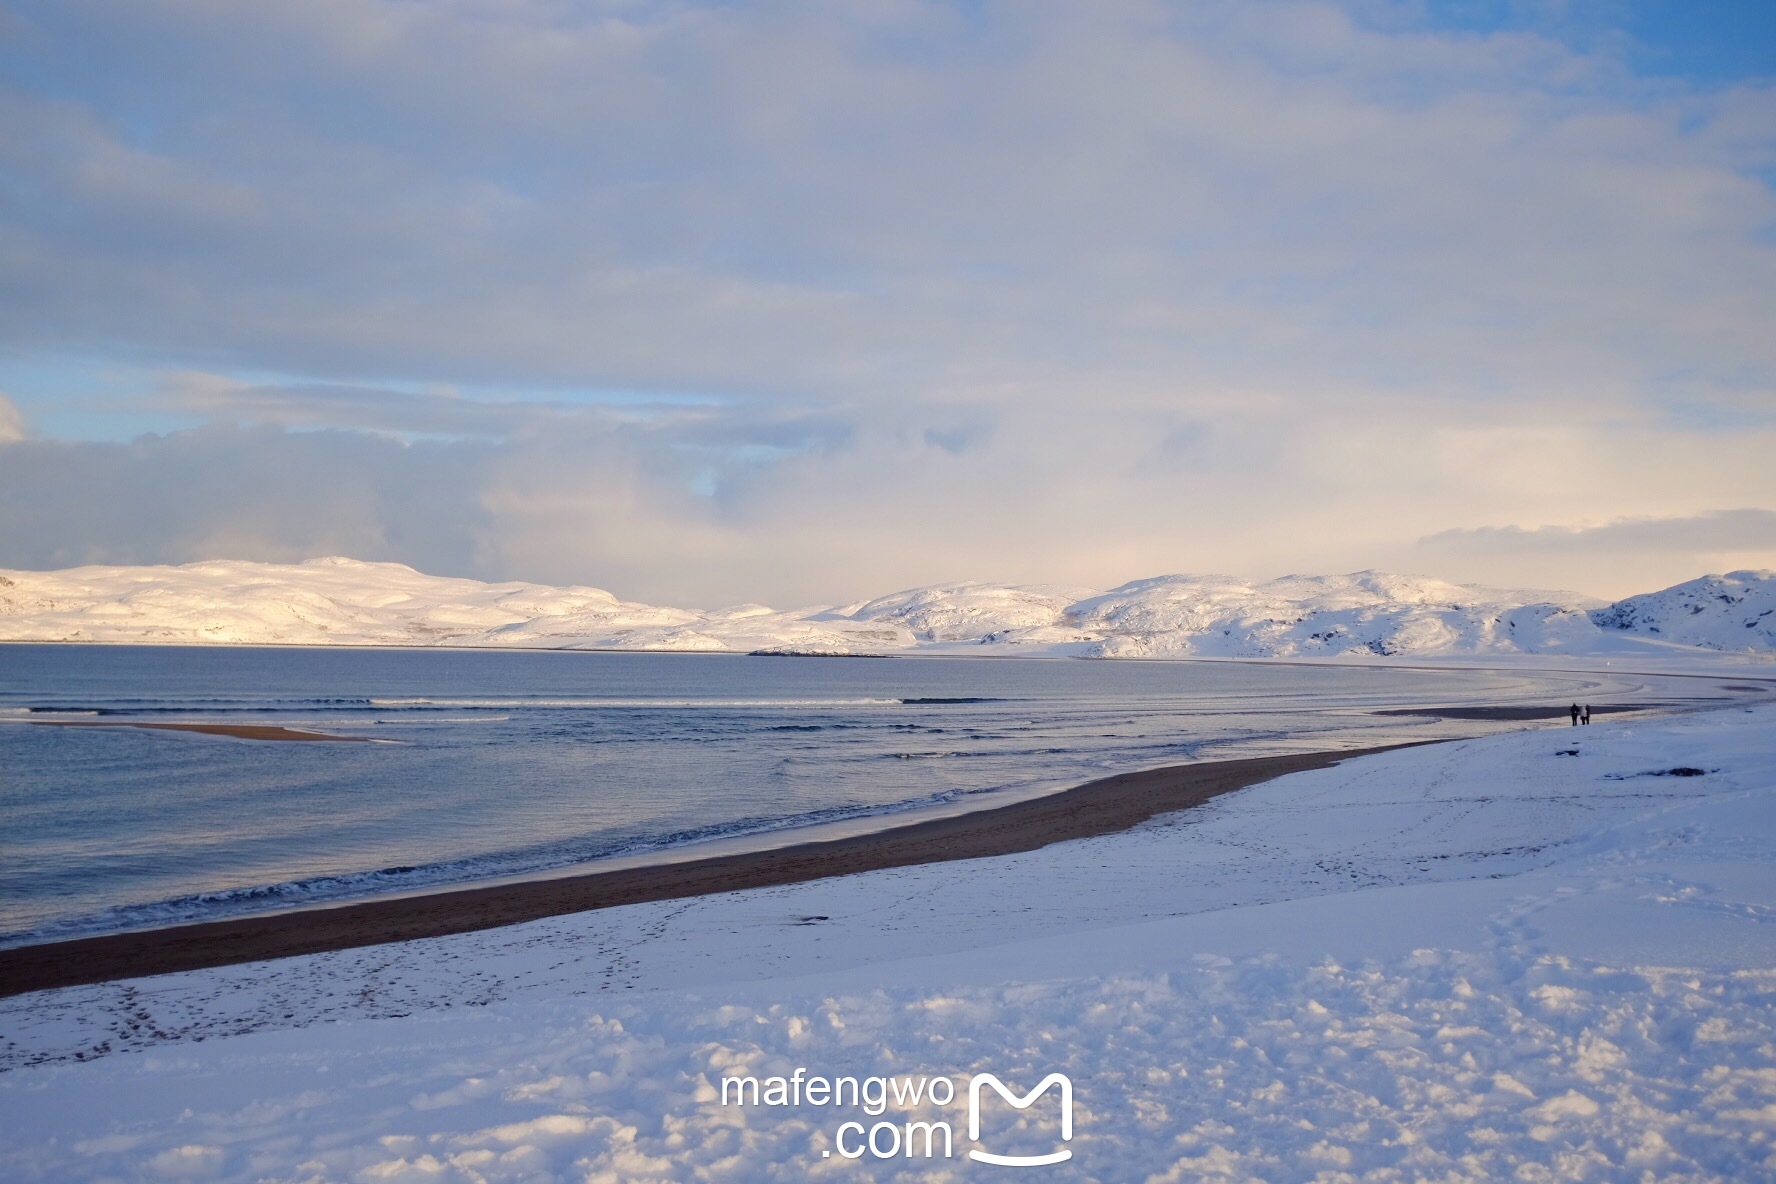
1096 808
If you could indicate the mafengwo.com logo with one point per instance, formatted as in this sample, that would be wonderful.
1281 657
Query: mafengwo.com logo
1065 1092
923 1137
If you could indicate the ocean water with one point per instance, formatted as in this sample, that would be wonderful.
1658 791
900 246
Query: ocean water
490 764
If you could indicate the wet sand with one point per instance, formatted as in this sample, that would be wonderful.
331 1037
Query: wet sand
1096 808
1517 714
238 731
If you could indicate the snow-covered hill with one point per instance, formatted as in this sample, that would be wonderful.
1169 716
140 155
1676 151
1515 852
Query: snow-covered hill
347 602
1325 616
1736 611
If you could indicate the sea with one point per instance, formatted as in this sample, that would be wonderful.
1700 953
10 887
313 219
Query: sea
478 765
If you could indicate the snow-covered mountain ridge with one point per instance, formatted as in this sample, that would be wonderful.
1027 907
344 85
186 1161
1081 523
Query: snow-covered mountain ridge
339 601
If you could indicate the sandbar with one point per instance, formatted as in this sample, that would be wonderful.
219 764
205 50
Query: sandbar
238 731
1517 714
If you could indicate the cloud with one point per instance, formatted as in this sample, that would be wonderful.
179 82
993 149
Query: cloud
257 493
720 427
1697 534
12 424
793 302
709 506
956 441
594 500
1633 553
908 199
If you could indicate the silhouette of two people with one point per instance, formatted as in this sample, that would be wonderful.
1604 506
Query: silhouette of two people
1581 716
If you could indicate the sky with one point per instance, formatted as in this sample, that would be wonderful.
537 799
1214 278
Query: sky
798 302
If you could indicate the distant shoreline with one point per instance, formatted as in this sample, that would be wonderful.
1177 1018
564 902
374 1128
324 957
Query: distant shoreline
1099 807
1555 663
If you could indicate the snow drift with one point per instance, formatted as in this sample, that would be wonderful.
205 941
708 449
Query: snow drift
1530 957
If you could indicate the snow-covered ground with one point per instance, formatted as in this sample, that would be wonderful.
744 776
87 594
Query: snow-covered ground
1547 955
1365 614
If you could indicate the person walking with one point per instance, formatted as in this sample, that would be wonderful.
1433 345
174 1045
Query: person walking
1575 715
1586 718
